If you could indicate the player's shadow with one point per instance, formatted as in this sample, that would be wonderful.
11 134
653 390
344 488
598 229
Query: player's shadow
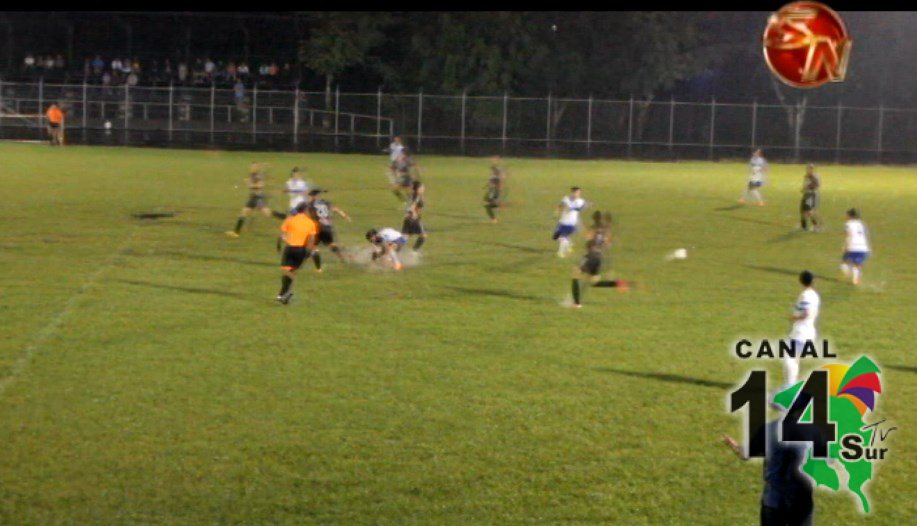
729 208
785 237
902 368
753 220
190 290
495 293
520 248
665 377
788 272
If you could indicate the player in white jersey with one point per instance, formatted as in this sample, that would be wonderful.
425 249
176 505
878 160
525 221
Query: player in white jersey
394 150
856 247
296 188
757 171
386 243
805 314
568 211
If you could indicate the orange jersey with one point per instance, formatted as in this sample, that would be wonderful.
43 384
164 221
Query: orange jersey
298 229
55 115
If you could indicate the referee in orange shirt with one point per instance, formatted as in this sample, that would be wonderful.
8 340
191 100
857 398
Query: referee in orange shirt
298 232
55 117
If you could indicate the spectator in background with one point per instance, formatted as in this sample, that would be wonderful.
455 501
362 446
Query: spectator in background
29 62
49 62
132 79
231 71
115 65
273 70
98 65
59 62
125 66
243 70
135 65
238 93
209 69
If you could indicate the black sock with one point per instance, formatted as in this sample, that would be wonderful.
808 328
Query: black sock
606 283
490 211
279 243
398 195
419 242
278 215
286 282
575 291
814 221
803 222
317 259
239 224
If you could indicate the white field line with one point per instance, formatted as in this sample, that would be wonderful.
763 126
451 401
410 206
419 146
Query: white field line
40 338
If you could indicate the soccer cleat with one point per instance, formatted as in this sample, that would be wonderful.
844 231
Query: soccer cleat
623 286
285 299
319 270
761 203
232 233
398 266
741 200
575 306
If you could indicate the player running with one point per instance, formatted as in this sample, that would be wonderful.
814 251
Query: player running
257 200
805 314
322 212
494 186
405 172
856 247
299 232
758 168
808 208
598 239
296 187
568 210
386 244
413 225
394 151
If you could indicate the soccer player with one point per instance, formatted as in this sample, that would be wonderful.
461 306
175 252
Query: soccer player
322 212
757 171
805 314
405 173
296 187
809 205
256 199
494 188
568 210
856 247
55 117
412 225
299 232
386 243
394 150
598 238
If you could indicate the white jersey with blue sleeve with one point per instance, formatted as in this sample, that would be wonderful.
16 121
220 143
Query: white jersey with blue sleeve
571 209
808 302
390 235
757 169
297 188
856 236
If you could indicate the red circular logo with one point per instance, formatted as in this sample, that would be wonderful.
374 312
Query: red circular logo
806 45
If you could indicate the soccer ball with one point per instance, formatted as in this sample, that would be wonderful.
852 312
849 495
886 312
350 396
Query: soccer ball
681 253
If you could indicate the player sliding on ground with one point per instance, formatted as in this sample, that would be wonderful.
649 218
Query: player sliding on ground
386 245
808 208
299 232
257 200
568 210
598 238
856 247
757 171
494 195
322 212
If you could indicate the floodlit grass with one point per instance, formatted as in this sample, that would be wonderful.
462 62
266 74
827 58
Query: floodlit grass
148 376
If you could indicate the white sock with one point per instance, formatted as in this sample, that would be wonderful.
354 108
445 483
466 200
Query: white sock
856 275
564 245
756 195
790 370
845 268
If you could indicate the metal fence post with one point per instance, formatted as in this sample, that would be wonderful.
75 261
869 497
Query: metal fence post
547 131
296 116
127 105
837 135
419 118
254 112
213 97
630 128
881 125
41 99
589 125
754 124
378 116
796 138
712 127
85 103
503 133
337 113
671 123
171 99
353 130
462 132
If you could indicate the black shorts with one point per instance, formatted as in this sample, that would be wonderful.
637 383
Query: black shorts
54 125
809 202
591 264
293 257
256 201
405 181
412 227
326 235
492 197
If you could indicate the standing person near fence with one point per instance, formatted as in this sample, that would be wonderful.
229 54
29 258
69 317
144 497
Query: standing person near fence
757 170
55 117
494 187
808 208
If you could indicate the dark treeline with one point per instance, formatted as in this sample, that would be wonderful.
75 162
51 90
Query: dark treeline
647 55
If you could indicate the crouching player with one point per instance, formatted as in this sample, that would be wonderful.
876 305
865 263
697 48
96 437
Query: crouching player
386 245
298 232
598 238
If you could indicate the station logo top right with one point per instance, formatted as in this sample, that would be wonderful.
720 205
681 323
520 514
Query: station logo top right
806 45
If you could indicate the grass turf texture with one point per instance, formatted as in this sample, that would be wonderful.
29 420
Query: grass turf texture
148 376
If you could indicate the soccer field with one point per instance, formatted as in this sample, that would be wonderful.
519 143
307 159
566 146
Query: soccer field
148 376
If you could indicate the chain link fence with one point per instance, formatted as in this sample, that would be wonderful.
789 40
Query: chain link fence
460 124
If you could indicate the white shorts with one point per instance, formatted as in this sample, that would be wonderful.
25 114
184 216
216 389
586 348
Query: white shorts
295 201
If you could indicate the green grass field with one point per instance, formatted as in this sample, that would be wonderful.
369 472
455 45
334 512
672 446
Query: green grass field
148 376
